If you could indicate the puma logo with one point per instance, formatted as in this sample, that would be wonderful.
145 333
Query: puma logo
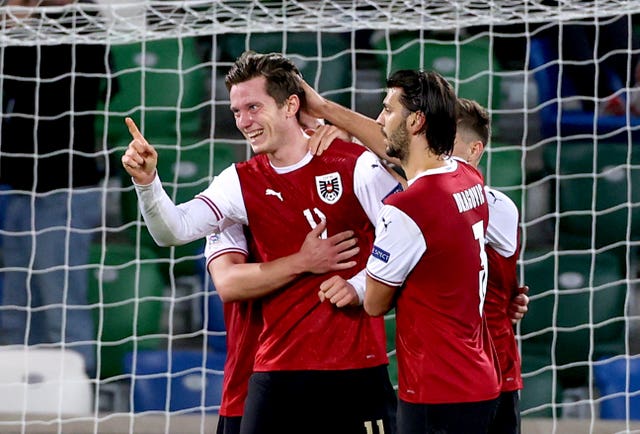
386 223
270 192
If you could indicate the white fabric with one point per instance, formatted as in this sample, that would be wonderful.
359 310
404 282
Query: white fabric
404 247
502 231
222 204
232 239
451 164
172 225
359 283
369 186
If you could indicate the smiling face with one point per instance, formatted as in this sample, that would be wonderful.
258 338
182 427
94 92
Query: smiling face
258 116
393 120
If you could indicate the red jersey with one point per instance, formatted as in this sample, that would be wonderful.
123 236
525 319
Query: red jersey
502 285
431 238
345 186
243 324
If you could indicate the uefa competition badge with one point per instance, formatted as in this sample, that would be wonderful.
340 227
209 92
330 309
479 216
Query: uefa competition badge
329 187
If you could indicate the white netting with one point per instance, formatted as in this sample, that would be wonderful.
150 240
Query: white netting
134 20
573 172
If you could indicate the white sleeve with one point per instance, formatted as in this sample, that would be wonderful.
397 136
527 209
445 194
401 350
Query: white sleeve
372 183
230 240
224 195
172 225
502 231
398 247
359 283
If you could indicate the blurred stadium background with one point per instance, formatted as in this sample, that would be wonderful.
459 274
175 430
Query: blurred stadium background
574 173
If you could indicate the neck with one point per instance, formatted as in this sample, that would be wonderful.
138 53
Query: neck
421 161
295 146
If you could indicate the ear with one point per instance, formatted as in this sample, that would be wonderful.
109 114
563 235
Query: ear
416 122
477 148
292 105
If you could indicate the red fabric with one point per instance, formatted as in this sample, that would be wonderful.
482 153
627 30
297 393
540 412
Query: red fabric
501 287
444 350
300 333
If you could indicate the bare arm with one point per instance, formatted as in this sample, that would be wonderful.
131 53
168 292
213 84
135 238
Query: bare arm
237 280
379 297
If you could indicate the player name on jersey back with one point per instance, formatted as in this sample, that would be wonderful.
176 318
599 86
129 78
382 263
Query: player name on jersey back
470 198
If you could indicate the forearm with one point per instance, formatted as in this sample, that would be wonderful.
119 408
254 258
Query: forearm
172 225
365 129
245 281
378 298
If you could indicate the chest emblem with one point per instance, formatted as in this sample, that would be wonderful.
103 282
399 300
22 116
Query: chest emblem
329 187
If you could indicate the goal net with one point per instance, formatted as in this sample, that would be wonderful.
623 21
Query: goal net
559 79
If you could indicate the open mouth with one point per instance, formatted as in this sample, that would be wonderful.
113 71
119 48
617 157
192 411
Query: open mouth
254 134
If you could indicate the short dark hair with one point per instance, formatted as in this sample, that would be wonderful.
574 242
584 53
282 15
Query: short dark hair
474 118
429 93
282 75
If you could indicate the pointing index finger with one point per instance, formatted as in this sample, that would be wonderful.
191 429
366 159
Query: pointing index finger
134 131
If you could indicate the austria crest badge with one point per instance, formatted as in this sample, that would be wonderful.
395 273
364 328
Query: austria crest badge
329 187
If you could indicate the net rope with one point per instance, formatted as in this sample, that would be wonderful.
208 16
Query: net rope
128 21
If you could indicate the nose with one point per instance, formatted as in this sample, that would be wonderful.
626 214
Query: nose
380 119
243 120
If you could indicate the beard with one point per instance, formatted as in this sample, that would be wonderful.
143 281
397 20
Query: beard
398 143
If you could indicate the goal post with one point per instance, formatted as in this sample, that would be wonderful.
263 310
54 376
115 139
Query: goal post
569 161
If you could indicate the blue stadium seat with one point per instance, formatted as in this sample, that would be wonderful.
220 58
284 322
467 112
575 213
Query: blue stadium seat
557 117
213 314
4 191
216 331
611 378
188 381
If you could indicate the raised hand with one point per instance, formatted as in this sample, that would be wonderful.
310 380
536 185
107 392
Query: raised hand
314 103
323 136
140 159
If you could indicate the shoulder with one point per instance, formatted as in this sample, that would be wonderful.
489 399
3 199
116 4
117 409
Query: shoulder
340 149
500 203
467 168
228 177
254 163
352 156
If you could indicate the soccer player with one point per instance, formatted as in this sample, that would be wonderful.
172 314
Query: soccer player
238 282
311 354
430 242
505 302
